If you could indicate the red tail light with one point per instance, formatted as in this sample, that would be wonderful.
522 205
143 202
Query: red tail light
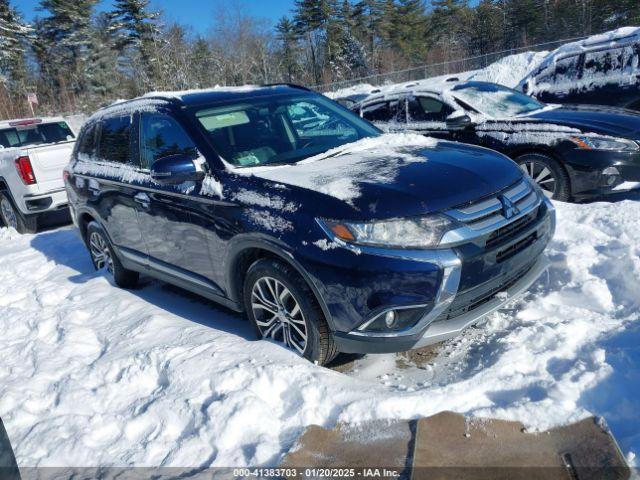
65 175
25 170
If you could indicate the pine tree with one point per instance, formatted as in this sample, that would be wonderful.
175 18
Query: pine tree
287 35
63 45
204 64
103 78
311 19
137 32
410 29
14 36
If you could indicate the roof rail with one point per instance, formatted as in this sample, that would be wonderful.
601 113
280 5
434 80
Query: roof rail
285 84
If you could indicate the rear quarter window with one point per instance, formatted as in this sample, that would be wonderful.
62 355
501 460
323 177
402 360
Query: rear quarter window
114 144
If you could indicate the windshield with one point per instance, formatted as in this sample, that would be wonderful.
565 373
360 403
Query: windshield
280 129
496 101
39 134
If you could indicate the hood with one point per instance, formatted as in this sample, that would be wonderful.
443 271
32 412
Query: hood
610 121
396 175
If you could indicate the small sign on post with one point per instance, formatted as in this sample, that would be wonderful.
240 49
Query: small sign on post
32 98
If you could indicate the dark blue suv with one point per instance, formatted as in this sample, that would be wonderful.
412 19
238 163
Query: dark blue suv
330 235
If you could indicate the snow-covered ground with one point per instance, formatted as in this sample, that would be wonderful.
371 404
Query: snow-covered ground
90 374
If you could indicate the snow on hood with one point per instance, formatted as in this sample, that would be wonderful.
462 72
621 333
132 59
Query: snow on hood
339 171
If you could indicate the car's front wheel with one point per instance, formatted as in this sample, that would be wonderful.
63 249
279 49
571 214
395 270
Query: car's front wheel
103 257
548 174
282 307
12 217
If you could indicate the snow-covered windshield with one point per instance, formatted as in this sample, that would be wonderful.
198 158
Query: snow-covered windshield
496 101
280 129
35 134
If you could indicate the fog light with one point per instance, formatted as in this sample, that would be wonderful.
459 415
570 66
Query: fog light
611 175
390 319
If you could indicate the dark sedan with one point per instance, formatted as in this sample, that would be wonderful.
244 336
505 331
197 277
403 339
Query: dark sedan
571 151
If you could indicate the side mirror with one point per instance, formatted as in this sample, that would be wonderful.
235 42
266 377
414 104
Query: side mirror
459 120
176 169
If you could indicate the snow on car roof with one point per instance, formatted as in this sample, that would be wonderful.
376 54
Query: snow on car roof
613 38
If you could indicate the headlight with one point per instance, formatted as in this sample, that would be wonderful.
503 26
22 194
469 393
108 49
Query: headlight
418 232
594 142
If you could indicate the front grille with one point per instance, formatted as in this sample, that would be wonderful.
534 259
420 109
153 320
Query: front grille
463 304
516 248
488 215
511 229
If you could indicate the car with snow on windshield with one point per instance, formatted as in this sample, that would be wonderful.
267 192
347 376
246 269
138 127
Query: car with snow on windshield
603 70
330 235
33 154
573 152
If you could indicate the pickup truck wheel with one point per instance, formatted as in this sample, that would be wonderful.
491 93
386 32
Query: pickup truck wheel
550 176
13 218
282 307
103 257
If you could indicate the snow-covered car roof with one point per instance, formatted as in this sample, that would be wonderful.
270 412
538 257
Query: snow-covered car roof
437 85
29 121
614 38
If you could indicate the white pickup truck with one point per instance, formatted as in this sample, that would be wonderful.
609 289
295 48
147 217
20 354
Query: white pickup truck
33 154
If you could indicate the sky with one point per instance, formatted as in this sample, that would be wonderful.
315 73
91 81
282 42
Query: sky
195 13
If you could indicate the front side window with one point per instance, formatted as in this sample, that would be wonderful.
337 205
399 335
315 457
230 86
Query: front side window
494 100
35 134
428 109
115 139
567 69
280 129
161 136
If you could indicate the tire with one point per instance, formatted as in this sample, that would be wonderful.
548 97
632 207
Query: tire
281 321
12 217
103 257
548 174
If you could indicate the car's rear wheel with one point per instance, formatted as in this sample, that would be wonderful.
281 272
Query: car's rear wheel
548 174
282 307
13 218
104 258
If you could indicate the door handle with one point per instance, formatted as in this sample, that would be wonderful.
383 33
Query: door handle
143 199
94 187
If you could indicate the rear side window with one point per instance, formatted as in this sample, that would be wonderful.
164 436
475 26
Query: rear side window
608 62
388 111
87 142
162 136
377 112
115 140
427 109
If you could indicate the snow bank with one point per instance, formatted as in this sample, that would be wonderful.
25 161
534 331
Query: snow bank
90 374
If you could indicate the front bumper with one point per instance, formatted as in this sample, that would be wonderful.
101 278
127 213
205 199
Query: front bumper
469 289
590 172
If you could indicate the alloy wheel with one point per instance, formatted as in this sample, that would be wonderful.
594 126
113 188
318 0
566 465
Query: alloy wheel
100 252
542 175
8 213
278 314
